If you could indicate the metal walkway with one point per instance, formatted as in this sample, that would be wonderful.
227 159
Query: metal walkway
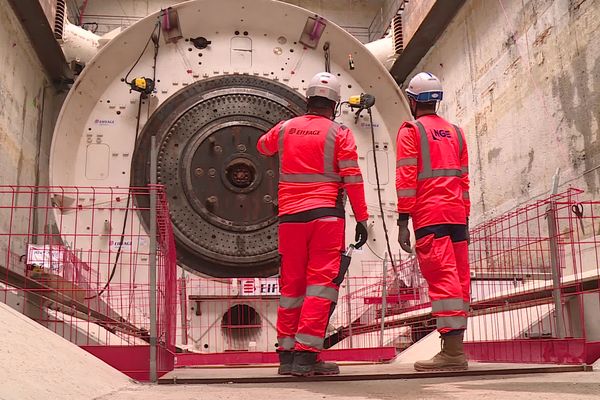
352 372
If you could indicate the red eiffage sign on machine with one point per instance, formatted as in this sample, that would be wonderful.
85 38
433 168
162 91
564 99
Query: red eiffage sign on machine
259 287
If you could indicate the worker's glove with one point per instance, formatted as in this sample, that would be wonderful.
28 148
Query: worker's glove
361 234
404 236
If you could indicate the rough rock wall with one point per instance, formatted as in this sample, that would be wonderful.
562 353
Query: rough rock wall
523 78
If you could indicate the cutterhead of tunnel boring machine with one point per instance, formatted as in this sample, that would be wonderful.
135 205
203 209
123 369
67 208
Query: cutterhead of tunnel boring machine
222 193
225 73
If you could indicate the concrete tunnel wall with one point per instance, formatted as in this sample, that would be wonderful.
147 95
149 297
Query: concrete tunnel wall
353 15
523 79
29 105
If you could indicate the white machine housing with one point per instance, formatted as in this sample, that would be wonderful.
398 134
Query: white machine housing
94 139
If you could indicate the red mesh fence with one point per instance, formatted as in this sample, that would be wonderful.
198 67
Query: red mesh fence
535 272
534 289
77 260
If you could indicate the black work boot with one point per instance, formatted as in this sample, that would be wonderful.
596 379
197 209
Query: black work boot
286 358
306 364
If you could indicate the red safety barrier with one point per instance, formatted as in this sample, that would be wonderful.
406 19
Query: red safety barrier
77 260
535 296
535 274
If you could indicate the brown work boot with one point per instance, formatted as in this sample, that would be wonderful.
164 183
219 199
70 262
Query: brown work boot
451 358
286 359
306 364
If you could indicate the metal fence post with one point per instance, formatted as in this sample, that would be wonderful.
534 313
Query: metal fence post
554 261
183 309
152 272
383 298
348 309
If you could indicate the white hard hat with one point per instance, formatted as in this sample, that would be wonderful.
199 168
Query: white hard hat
425 87
325 85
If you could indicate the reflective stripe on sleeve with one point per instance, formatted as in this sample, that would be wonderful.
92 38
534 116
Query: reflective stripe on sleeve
353 179
436 173
309 178
348 164
404 162
406 192
466 196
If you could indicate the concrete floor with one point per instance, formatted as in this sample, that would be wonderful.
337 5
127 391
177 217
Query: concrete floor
563 386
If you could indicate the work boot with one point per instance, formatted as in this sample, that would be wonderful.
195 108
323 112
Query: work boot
286 359
306 363
451 358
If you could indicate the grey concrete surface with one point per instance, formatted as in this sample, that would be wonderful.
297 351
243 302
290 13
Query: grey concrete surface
565 386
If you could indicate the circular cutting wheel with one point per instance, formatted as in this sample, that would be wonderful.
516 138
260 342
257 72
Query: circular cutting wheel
222 193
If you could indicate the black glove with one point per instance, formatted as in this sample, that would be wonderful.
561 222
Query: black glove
404 236
361 234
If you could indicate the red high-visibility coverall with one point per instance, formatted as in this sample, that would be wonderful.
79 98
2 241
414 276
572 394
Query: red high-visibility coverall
317 162
432 183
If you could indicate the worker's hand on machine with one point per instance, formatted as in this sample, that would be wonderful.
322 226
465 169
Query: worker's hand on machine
404 236
362 234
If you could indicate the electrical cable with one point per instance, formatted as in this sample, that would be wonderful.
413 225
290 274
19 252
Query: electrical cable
327 57
144 51
385 231
338 109
114 268
137 132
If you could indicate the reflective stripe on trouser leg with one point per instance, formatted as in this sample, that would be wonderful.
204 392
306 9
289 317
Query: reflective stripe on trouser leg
446 324
438 266
310 341
293 241
286 343
447 305
461 254
450 313
324 256
324 292
291 302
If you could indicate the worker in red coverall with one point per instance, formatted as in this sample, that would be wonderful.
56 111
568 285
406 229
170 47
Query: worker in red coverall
318 166
432 183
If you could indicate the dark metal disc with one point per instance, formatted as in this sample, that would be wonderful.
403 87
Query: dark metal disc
222 193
